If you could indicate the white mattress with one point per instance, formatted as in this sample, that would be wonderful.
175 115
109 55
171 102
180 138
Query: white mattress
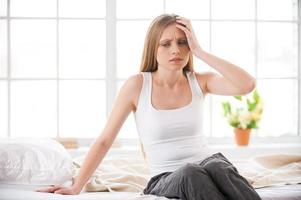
9 192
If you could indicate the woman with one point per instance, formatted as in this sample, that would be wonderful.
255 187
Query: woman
167 100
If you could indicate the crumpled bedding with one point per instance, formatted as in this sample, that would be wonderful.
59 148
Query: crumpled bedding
117 173
130 173
272 170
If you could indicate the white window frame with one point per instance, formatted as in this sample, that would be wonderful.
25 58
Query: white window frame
111 73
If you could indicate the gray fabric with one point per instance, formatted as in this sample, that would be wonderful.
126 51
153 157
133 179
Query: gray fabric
212 178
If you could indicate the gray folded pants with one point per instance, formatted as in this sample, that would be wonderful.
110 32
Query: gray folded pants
212 178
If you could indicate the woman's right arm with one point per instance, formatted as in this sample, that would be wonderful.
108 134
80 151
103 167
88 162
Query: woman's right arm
125 103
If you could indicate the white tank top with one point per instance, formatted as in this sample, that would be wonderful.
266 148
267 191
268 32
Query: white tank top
171 137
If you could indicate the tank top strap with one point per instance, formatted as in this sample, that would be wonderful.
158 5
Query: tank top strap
196 89
145 90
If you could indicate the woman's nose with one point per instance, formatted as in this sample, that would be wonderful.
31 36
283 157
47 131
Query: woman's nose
175 49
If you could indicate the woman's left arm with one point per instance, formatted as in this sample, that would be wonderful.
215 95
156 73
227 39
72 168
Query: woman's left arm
233 79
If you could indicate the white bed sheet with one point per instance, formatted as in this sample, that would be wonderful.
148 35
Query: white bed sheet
9 192
287 192
18 192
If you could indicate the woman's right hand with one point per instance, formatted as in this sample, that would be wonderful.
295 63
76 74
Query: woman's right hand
71 190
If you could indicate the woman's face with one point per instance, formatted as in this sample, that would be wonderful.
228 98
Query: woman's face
173 49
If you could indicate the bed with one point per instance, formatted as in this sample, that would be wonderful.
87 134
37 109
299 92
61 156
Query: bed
11 192
27 165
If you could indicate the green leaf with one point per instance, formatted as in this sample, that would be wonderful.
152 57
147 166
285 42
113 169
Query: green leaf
234 124
238 97
251 105
226 108
253 124
256 96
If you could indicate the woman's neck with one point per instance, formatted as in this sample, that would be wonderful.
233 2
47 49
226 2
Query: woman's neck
168 78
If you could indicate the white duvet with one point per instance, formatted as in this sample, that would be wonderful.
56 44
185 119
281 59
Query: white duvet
130 173
272 170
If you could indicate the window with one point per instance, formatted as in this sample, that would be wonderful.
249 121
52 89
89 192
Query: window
53 68
63 61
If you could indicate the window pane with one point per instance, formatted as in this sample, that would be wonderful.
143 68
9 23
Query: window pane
33 109
33 48
82 8
139 8
82 46
233 9
130 41
3 48
235 41
82 108
3 108
33 8
201 30
277 10
193 9
280 114
278 50
128 130
3 7
220 127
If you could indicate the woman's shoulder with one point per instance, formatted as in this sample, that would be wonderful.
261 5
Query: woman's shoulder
132 87
135 80
129 92
202 79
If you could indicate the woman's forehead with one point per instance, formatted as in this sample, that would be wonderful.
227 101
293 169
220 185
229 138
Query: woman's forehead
172 32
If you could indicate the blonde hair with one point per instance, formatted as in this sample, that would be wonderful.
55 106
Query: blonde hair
149 58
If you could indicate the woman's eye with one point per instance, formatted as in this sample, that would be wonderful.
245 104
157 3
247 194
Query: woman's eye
182 42
165 44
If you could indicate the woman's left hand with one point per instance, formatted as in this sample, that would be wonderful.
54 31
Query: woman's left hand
185 25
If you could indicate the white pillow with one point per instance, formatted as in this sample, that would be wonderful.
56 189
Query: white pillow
34 161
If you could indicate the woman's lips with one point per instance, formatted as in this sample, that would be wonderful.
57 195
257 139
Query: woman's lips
176 60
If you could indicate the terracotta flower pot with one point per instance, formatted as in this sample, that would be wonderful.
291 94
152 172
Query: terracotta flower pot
242 136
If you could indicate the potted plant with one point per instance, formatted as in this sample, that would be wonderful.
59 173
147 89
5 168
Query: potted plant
245 116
